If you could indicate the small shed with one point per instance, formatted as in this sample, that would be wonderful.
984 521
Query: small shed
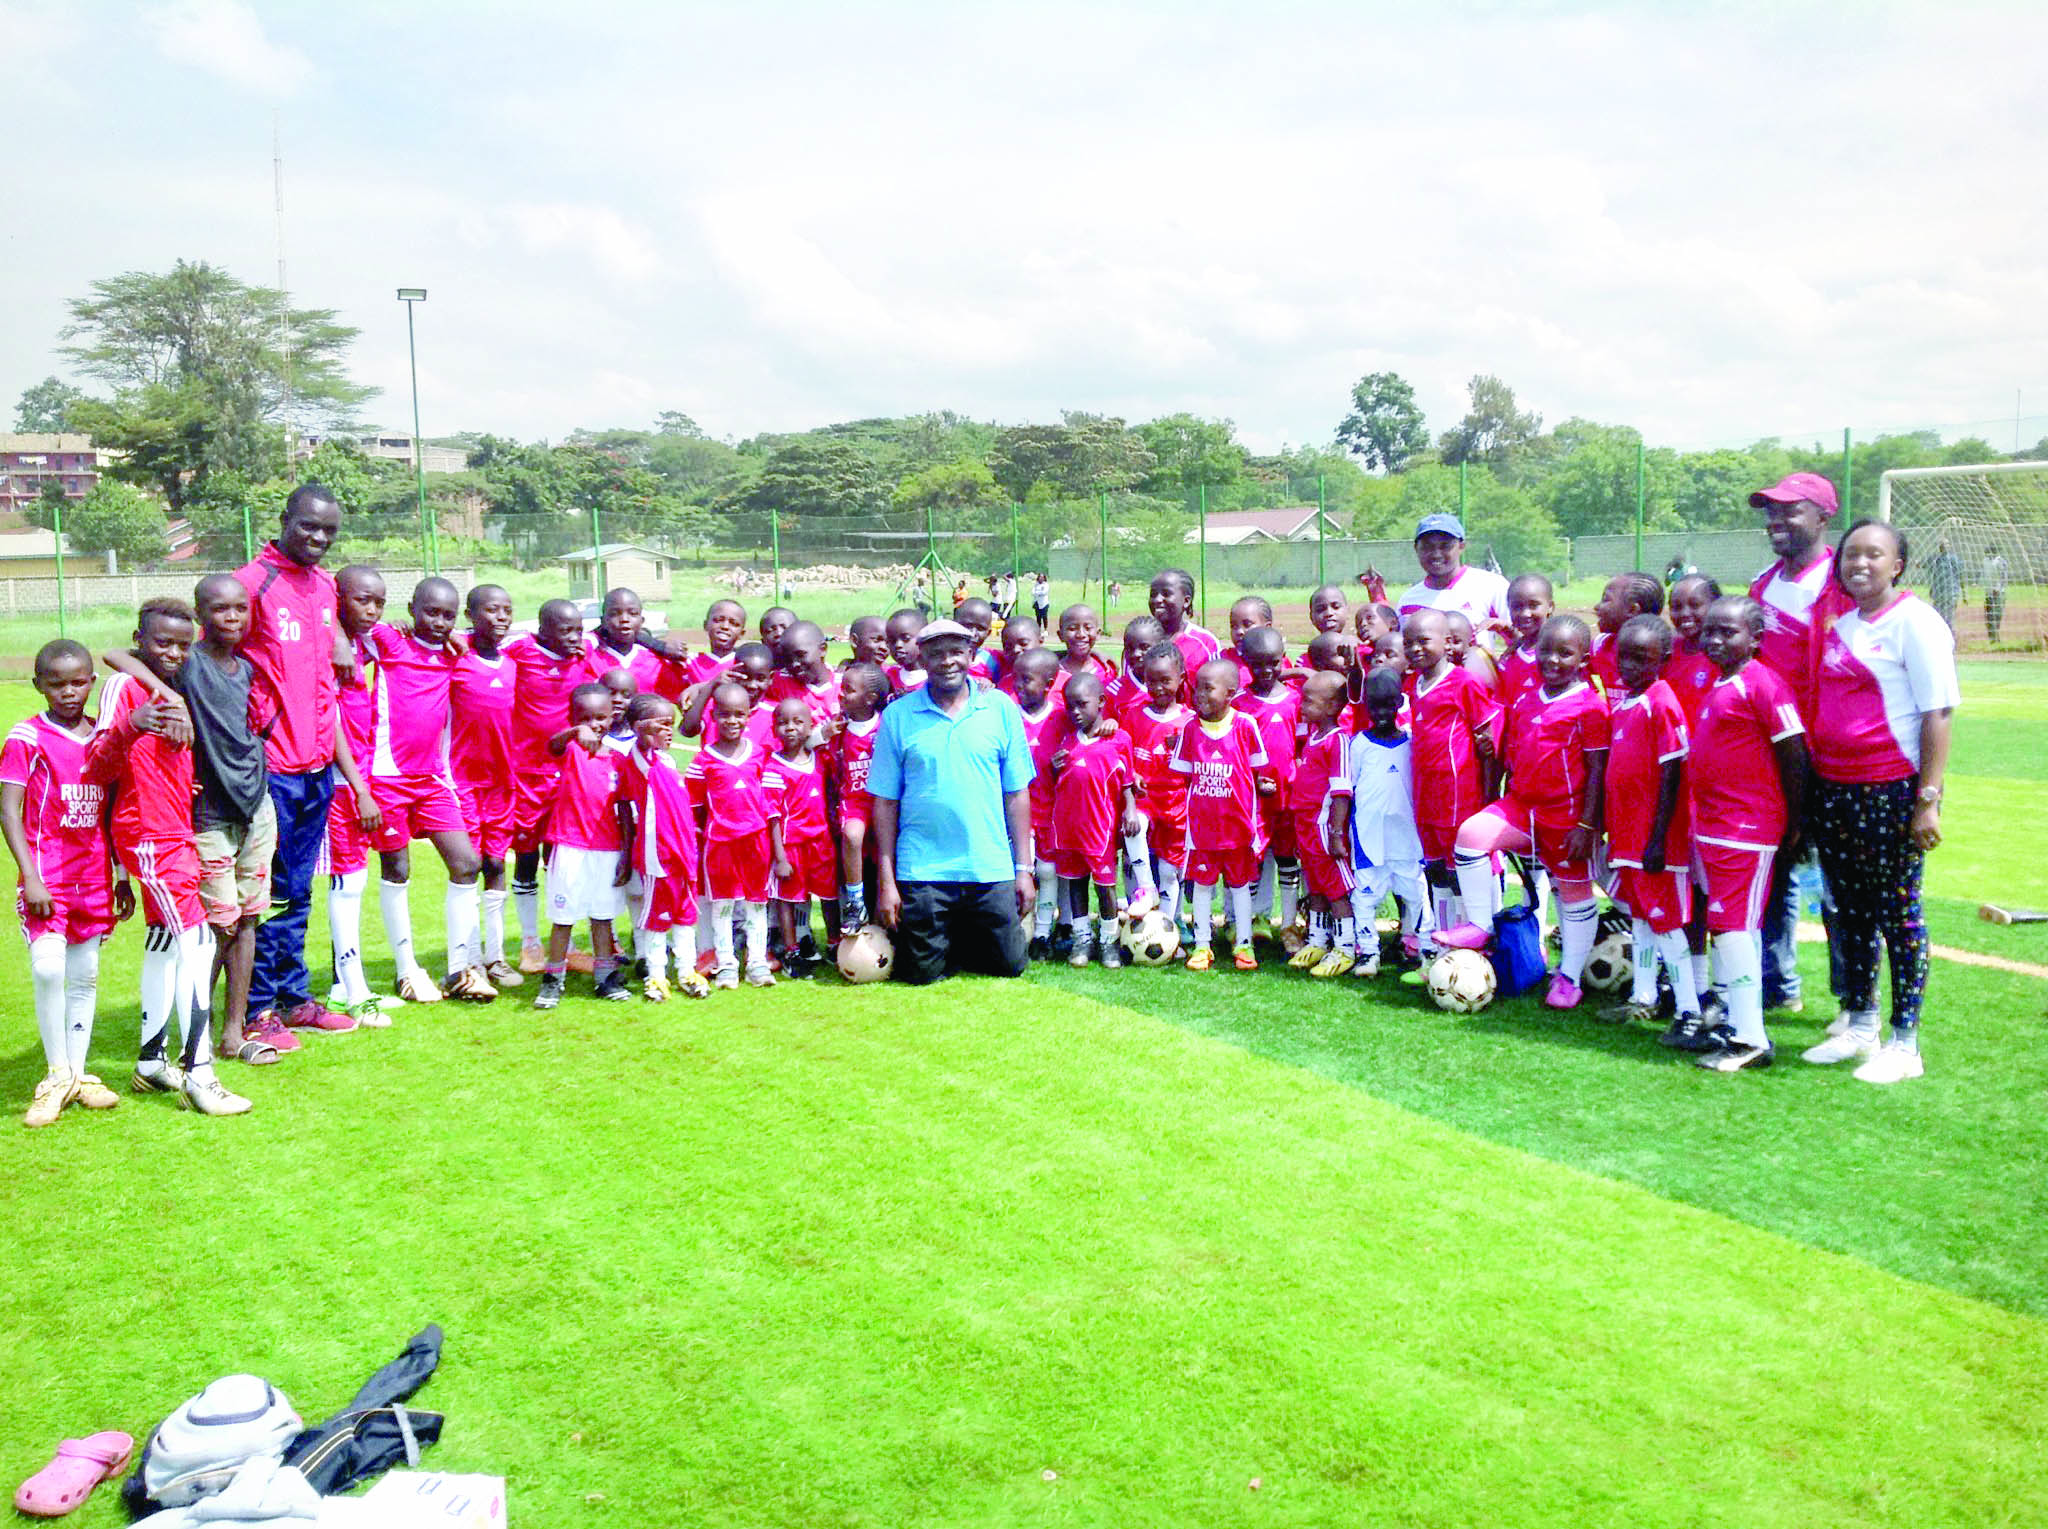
593 570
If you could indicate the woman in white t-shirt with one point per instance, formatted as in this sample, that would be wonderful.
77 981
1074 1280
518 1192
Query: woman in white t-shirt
1884 690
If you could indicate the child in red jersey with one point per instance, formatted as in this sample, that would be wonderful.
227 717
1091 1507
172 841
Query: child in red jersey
1626 595
1649 833
1127 692
775 623
1224 759
587 861
725 623
1689 672
863 690
1747 777
753 670
1154 727
807 675
1453 720
143 749
660 829
1319 784
1328 609
480 759
622 641
1094 807
55 825
979 617
905 667
1020 633
1468 654
1045 732
799 836
1171 595
546 665
1079 632
1246 615
1531 602
868 636
733 810
1275 708
1554 745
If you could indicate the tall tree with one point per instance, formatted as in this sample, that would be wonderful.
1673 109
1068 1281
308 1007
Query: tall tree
1493 430
115 517
1187 451
46 408
1384 428
811 475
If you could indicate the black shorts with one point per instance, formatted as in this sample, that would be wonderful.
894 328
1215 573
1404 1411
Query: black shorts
951 926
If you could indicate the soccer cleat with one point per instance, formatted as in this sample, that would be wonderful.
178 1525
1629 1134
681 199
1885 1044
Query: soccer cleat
1335 964
707 963
209 1096
582 961
1113 955
1850 1044
51 1095
470 985
1727 1054
1082 950
1629 1013
655 990
692 984
1892 1064
728 977
415 986
1463 937
1307 958
760 976
1369 966
1142 902
1201 959
156 1078
1563 993
1293 942
92 1094
370 1013
552 985
317 1016
1688 1032
1245 959
1040 948
533 958
503 974
612 986
269 1029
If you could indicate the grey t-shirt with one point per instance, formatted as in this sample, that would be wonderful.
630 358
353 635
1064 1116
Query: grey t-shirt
227 756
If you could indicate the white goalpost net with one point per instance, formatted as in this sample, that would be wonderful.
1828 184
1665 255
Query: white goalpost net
1979 540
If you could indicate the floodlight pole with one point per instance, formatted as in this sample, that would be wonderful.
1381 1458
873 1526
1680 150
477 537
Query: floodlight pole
1202 545
430 549
1639 502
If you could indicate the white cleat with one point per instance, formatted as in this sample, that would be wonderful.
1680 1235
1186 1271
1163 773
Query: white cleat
1892 1064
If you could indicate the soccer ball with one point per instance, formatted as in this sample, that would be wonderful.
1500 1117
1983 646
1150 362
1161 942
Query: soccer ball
1461 981
866 955
1610 966
1152 939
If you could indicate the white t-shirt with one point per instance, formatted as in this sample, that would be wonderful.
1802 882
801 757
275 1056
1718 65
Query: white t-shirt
1383 800
1877 676
1479 594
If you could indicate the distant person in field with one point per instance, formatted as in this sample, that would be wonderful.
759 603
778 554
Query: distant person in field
1994 593
1041 600
1449 584
1945 583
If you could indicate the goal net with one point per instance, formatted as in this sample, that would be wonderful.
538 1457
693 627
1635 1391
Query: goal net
1980 547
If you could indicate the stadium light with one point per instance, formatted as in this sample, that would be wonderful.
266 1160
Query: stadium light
430 550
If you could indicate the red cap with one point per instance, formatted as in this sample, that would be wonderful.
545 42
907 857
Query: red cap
1797 486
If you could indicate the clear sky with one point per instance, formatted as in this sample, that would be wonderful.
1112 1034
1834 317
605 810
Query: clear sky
1713 221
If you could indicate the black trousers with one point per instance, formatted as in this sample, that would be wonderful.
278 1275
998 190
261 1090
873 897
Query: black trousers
952 926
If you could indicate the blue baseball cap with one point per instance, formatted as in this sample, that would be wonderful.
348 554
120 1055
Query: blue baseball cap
1443 521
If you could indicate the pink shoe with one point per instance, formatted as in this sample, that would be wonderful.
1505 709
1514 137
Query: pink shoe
269 1029
79 1466
1465 937
317 1016
1564 993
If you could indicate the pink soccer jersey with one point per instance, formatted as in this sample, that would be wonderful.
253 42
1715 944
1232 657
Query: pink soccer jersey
1646 732
1690 674
1736 798
412 686
356 704
1278 718
1095 666
652 673
1518 674
480 722
290 645
60 809
1197 646
1087 794
584 815
796 794
902 680
728 794
664 826
847 757
1446 715
1222 772
1162 791
1877 676
706 667
1544 743
822 697
1046 734
540 695
1793 602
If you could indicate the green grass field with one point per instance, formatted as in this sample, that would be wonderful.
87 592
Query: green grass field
1101 1248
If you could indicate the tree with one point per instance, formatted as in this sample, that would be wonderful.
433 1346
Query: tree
1589 486
1384 428
1493 430
1083 454
671 422
1502 522
114 517
1187 451
45 409
813 476
966 485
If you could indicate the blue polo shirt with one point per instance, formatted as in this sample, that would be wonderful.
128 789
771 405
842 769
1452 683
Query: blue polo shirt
948 775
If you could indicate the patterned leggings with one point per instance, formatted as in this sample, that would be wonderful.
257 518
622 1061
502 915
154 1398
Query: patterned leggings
1874 870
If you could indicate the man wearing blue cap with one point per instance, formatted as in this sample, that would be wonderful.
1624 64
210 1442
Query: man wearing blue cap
1478 594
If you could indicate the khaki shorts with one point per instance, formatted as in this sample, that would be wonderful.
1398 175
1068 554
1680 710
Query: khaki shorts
234 867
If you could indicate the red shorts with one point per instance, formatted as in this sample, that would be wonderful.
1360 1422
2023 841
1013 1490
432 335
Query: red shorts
1526 831
167 872
1661 899
487 815
348 847
1278 822
1169 842
1324 876
1238 867
1738 885
858 807
1439 840
669 903
737 869
817 872
414 807
1074 864
534 785
77 913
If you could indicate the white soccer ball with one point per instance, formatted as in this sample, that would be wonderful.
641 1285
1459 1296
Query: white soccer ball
1610 966
867 954
1152 939
1461 981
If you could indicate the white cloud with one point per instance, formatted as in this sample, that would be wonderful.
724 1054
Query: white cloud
599 235
227 40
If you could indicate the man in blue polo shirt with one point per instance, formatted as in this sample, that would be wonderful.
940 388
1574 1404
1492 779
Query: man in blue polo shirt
952 820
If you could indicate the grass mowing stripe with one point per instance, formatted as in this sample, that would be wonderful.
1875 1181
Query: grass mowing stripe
831 1257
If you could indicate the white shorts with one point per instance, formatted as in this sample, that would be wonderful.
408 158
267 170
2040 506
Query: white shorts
580 885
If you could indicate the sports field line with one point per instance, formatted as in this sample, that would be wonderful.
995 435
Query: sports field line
1817 934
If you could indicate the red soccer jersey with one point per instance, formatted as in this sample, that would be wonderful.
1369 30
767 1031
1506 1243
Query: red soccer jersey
1095 666
583 816
1518 673
902 679
652 673
727 792
1793 602
1600 666
1197 647
290 645
796 794
1223 789
705 667
761 726
540 696
1645 733
1450 779
152 778
848 754
480 719
1877 677
1320 770
1736 797
1278 719
822 697
1162 790
60 808
1087 793
1690 674
412 686
1046 734
664 826
1545 744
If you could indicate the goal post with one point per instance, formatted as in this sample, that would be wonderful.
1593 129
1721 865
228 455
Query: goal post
1979 540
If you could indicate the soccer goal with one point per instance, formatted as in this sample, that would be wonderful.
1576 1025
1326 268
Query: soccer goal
1980 547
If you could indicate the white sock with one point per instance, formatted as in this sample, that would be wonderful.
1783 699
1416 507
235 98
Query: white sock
1047 912
652 945
1169 889
493 925
636 902
345 933
1542 880
464 927
1289 874
1643 958
46 975
721 933
1241 914
195 999
396 905
1077 913
1361 939
1319 925
1106 930
81 995
526 904
1677 958
1702 972
1204 901
757 937
1581 923
1739 962
1138 864
159 989
1478 887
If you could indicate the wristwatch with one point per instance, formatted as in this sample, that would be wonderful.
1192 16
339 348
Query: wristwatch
1929 796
